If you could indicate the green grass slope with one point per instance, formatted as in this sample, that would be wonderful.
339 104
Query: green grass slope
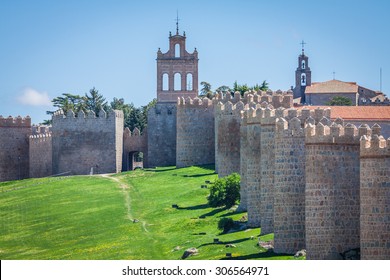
121 216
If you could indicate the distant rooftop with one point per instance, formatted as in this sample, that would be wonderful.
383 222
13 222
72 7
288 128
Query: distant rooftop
357 113
332 86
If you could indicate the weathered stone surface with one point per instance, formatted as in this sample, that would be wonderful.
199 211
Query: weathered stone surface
162 135
134 142
41 154
375 198
289 192
332 192
81 144
195 140
14 148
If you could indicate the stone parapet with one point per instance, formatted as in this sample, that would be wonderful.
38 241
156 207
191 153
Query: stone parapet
375 197
15 121
332 197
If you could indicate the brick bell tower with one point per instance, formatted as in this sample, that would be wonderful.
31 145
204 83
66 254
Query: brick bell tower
177 76
177 70
302 76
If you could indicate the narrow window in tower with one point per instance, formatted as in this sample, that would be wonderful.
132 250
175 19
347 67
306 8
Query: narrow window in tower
303 64
177 82
165 82
303 79
177 50
189 81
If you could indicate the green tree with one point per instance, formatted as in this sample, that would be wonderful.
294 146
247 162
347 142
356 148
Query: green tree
339 101
206 90
223 89
262 87
119 104
244 88
225 191
133 116
68 102
94 101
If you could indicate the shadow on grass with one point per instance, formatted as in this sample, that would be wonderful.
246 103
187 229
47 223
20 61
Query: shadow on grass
231 213
225 242
207 166
212 213
198 175
160 170
260 255
195 207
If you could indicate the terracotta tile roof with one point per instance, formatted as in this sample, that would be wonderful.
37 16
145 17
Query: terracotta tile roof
357 113
332 86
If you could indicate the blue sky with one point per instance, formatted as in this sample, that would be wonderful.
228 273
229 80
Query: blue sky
52 47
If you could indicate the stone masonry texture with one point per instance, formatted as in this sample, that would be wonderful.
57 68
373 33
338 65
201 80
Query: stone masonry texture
195 132
289 187
332 209
86 143
375 198
41 154
162 135
14 148
134 142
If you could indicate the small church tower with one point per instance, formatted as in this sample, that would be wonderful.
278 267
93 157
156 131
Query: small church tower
302 76
177 70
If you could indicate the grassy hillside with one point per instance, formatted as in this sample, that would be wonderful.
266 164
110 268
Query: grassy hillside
92 217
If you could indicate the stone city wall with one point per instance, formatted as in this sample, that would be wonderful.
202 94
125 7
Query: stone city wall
332 209
41 152
162 135
195 143
134 142
375 196
85 144
14 148
289 186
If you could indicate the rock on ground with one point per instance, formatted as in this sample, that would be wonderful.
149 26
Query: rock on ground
189 252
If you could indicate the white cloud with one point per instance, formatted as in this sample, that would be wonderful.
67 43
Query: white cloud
33 97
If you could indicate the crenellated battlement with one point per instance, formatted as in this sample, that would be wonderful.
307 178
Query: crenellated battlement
81 115
15 121
43 137
335 133
136 133
374 146
196 102
41 129
253 115
231 109
251 98
289 128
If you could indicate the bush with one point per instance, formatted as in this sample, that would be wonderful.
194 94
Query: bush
225 191
225 224
339 101
217 193
232 195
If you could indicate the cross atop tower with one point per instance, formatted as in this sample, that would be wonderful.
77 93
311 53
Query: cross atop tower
177 22
303 43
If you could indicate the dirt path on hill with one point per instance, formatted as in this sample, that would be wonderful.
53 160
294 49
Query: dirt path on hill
125 193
